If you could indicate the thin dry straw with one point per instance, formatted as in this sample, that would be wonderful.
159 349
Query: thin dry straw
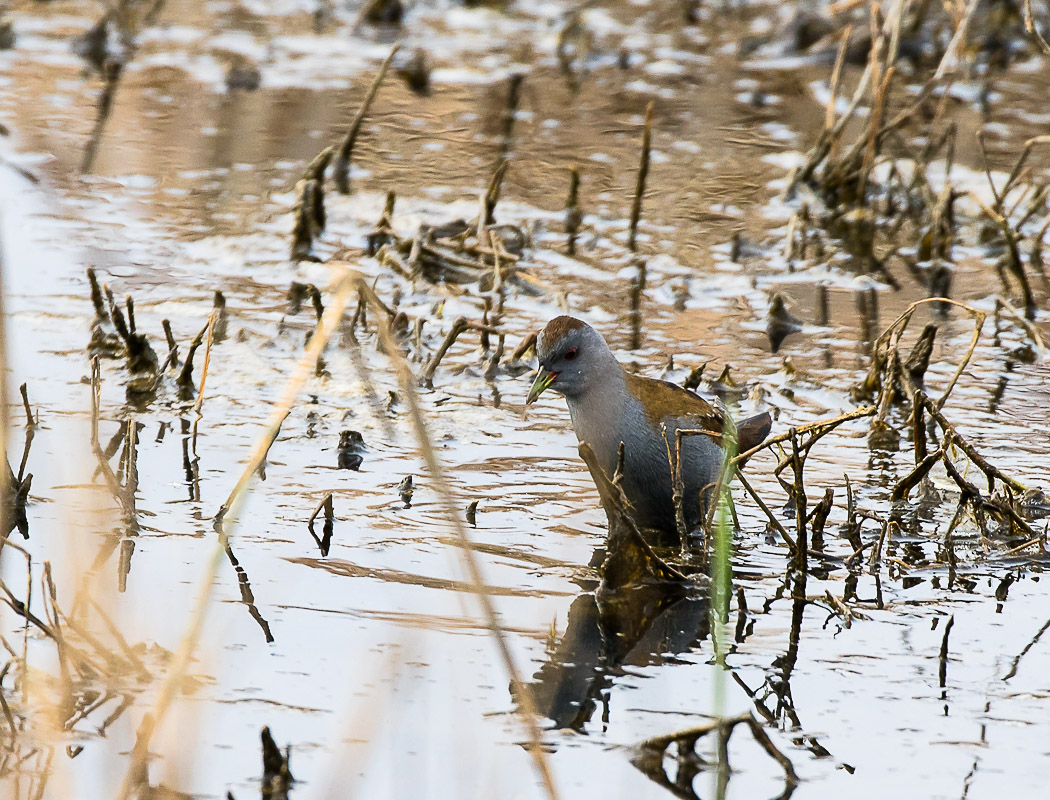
225 521
199 405
451 509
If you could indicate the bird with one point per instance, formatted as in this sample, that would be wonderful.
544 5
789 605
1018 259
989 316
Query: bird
608 405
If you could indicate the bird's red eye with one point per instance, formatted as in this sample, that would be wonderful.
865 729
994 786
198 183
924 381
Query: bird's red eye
570 354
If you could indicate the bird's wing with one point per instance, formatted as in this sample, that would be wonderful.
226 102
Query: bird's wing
666 402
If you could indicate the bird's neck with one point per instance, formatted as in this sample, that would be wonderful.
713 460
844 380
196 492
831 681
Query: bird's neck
598 412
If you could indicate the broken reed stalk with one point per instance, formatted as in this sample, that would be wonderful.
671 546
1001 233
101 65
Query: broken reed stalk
836 77
341 164
896 328
199 405
185 377
492 195
528 343
459 326
971 495
451 506
913 478
112 483
643 174
770 516
884 533
486 210
172 359
327 505
830 136
978 460
226 519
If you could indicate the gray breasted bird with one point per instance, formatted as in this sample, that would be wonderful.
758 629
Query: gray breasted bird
608 405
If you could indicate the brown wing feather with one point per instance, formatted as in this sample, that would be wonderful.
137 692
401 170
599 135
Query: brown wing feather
663 400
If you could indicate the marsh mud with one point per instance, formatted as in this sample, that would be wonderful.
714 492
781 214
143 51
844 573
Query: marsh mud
356 639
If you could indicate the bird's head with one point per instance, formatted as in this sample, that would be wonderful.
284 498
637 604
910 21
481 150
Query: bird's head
572 356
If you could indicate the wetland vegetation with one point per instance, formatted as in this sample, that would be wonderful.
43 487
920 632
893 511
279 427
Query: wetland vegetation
272 277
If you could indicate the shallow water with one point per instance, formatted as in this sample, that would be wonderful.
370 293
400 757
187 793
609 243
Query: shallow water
380 675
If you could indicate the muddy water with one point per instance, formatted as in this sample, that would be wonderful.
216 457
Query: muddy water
379 674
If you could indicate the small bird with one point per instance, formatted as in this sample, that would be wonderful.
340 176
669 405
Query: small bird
608 406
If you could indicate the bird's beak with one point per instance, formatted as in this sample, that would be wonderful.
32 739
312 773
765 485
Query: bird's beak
544 378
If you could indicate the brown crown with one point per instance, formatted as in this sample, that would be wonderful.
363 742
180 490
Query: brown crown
559 327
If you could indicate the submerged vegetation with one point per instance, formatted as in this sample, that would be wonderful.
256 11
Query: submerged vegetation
355 362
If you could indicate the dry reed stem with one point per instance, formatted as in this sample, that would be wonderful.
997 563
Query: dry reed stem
1040 540
913 478
459 326
777 525
494 249
836 78
1030 329
329 510
643 174
971 452
528 343
820 427
954 44
451 506
799 491
897 328
674 464
844 6
341 164
871 151
1029 25
4 414
199 405
226 519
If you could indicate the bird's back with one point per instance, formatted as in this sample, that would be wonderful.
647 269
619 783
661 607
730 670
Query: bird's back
660 411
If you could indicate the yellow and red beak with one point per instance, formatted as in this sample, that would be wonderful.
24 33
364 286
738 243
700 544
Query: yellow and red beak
544 378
